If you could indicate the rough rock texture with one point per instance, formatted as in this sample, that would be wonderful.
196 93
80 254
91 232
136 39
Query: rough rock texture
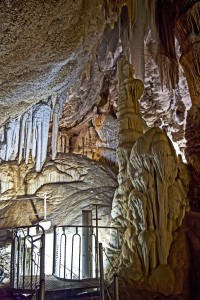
186 24
70 57
71 183
151 200
183 260
43 49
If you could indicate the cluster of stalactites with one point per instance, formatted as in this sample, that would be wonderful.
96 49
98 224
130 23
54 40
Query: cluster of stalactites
166 52
28 135
158 18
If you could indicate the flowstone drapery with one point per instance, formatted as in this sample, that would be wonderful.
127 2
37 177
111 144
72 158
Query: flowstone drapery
150 202
157 203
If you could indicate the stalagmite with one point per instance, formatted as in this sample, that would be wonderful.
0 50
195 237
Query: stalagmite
151 197
130 127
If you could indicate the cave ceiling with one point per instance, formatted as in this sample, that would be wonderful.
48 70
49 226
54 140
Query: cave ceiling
55 48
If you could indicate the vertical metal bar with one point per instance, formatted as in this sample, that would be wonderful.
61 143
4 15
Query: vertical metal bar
97 242
79 257
54 250
24 262
31 263
79 254
42 267
101 272
65 249
116 287
13 261
60 258
72 257
86 244
18 259
63 235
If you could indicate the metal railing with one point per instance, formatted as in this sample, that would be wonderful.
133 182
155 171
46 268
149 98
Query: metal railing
68 256
28 260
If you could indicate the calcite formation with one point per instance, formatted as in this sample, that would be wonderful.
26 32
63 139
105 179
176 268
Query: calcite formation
151 200
71 183
29 134
130 127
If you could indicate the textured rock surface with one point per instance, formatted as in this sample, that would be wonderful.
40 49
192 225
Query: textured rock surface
71 182
183 260
151 200
43 49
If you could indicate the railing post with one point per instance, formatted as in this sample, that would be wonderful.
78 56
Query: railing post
101 272
42 266
116 287
54 250
97 242
12 265
86 244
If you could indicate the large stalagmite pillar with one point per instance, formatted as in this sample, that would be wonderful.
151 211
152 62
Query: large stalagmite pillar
150 201
130 127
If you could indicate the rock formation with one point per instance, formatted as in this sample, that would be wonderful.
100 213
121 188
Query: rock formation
151 200
71 183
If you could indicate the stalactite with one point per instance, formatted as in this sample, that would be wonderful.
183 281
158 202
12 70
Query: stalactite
2 143
12 139
166 56
34 140
28 136
25 136
55 129
34 131
136 41
21 139
41 115
38 145
57 113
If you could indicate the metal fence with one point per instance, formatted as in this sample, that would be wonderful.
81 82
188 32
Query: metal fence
27 260
76 250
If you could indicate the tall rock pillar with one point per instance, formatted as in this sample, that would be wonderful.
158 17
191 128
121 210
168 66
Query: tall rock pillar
130 128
